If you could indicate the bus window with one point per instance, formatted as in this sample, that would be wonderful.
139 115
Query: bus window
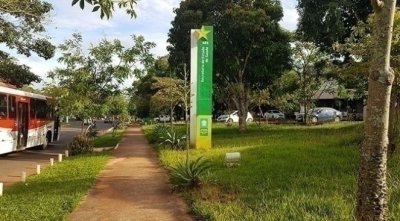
12 111
33 108
3 106
49 111
41 109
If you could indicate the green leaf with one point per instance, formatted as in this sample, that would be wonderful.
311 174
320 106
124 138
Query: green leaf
74 2
95 8
82 4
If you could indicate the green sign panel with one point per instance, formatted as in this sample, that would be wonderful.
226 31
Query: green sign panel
204 70
201 89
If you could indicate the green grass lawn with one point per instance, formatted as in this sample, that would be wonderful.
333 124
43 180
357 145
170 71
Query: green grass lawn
108 140
287 172
55 192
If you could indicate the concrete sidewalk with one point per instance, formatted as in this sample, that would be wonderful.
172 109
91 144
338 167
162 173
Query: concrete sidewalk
133 186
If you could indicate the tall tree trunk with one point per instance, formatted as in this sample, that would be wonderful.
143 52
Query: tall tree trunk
242 108
241 100
242 117
372 187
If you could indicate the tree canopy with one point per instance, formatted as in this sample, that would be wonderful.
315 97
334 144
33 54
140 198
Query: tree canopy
14 73
144 87
251 49
21 22
107 7
325 22
168 94
91 78
21 28
310 64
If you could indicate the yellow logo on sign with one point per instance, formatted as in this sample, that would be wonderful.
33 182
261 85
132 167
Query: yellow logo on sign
202 33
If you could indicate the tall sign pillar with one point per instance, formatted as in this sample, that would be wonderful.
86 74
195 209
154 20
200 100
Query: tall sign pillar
201 62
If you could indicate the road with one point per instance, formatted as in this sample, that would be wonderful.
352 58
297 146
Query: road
12 165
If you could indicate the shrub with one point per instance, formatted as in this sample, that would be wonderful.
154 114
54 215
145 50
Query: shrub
188 174
92 133
80 144
158 132
174 140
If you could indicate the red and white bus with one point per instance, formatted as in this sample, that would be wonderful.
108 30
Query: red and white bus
26 120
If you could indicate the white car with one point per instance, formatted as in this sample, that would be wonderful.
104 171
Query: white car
233 117
274 114
162 118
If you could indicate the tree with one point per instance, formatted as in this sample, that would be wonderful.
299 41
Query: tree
142 89
21 25
250 47
325 22
21 22
13 73
189 15
63 99
285 93
168 94
31 89
259 98
372 187
310 65
117 107
222 103
160 68
141 93
89 79
107 7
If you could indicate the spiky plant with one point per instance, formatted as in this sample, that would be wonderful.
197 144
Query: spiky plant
174 140
187 174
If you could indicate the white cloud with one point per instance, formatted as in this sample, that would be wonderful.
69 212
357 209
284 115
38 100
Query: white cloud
290 15
38 66
290 19
289 4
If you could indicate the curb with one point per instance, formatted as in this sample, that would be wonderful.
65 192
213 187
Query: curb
109 130
101 149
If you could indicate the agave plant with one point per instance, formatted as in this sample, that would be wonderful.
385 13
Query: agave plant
174 140
157 133
188 174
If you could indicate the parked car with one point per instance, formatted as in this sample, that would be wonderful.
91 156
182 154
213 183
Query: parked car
320 114
87 121
162 118
90 121
274 114
222 118
108 120
233 117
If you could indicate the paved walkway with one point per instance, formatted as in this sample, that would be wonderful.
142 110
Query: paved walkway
133 186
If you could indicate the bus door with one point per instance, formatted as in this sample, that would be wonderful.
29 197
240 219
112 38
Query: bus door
23 125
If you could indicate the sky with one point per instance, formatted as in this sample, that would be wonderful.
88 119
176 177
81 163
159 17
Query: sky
153 22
